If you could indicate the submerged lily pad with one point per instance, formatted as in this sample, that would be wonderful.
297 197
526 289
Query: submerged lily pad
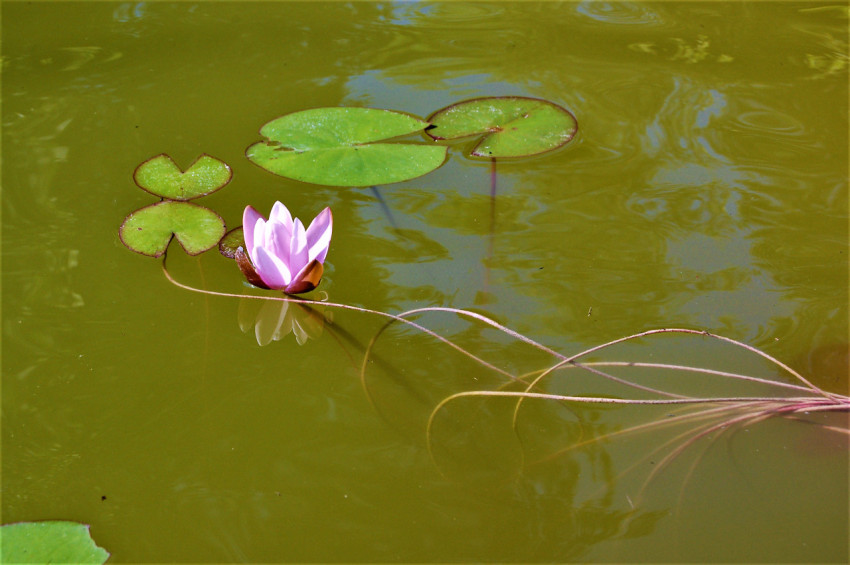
338 147
149 230
49 542
161 176
510 126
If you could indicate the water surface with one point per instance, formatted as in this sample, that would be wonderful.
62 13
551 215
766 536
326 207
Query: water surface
707 189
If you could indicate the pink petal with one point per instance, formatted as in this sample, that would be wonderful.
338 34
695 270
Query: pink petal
259 235
250 219
272 270
298 253
280 213
319 235
278 238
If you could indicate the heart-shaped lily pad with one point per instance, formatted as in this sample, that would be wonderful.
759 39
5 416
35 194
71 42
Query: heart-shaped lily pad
338 147
510 126
49 542
149 230
161 176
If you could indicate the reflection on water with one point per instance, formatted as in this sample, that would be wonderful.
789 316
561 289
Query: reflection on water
620 13
273 320
829 366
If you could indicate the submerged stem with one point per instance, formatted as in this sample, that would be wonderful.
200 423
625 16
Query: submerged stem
685 368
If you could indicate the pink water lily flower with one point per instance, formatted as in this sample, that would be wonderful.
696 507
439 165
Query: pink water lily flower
283 255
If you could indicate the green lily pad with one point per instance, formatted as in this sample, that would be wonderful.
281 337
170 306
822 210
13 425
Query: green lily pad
338 147
232 240
160 176
510 126
49 542
149 230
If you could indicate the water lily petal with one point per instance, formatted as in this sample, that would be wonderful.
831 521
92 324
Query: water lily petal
251 220
272 270
319 235
298 252
280 213
278 240
306 279
259 237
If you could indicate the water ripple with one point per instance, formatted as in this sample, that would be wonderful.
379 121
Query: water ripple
625 13
769 120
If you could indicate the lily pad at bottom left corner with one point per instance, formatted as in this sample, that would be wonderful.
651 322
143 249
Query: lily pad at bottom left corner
149 230
49 542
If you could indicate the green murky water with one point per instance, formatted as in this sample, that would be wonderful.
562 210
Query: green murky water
707 189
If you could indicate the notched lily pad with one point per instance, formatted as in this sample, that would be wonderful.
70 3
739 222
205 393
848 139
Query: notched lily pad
510 126
340 147
232 240
49 542
149 230
161 176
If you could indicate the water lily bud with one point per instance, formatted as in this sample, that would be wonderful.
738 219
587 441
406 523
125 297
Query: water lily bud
281 254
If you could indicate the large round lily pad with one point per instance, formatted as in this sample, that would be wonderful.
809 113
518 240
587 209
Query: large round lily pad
149 230
509 126
341 147
49 542
161 176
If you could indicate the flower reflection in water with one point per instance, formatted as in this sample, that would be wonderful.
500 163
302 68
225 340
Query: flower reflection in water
273 320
